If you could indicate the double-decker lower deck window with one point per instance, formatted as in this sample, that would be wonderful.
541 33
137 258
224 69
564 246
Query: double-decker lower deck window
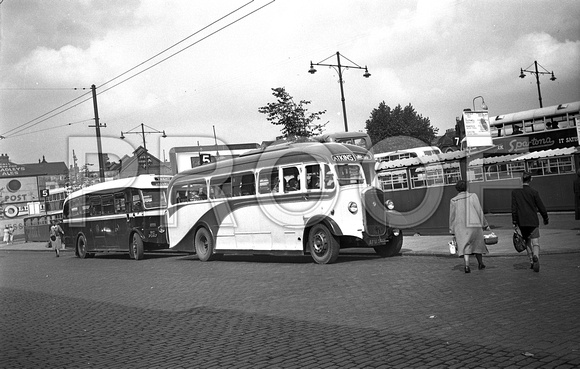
551 166
494 172
394 180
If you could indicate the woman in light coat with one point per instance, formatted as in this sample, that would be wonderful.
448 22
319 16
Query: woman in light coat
56 234
466 223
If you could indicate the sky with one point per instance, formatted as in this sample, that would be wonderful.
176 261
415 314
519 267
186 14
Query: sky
438 56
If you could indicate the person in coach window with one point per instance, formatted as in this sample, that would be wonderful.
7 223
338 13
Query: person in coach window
526 203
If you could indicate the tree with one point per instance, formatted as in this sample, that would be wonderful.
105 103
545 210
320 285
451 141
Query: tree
293 117
386 122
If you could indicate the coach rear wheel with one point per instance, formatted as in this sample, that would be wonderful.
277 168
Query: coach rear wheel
324 246
204 245
392 248
136 247
81 248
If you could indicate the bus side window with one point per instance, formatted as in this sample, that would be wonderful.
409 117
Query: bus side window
268 181
313 177
95 205
243 184
220 188
107 207
328 178
136 204
291 179
120 203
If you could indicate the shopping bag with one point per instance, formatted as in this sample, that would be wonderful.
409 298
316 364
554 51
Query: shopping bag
452 247
519 242
490 238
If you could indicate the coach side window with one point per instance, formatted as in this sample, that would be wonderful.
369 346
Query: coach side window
107 206
328 178
119 203
291 177
313 177
220 188
243 184
95 208
268 181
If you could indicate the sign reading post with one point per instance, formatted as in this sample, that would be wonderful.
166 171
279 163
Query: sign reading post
477 130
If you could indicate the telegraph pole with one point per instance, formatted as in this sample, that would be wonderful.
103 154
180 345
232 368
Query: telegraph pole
98 128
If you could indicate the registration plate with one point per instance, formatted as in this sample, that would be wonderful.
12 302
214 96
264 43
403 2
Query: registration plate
377 241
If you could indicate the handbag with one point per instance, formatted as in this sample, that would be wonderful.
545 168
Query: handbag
53 238
452 246
490 238
519 242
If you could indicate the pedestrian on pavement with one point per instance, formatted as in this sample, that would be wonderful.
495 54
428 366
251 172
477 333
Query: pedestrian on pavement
526 203
56 236
6 234
466 223
577 197
10 233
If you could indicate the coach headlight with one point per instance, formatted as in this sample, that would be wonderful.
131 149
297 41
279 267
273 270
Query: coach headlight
390 204
161 229
352 207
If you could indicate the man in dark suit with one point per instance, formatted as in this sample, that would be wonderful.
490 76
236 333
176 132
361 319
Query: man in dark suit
526 203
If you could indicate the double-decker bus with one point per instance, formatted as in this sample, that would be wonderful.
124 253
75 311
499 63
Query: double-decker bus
36 227
123 215
287 199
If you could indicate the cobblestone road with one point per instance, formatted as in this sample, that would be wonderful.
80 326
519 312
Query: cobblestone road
251 312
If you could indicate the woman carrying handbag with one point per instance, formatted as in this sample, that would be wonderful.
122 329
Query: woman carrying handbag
466 223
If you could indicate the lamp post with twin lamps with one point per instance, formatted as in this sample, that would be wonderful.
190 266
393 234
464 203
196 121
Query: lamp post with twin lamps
537 73
144 143
339 67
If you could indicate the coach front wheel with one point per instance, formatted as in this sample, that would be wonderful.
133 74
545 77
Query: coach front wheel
324 246
81 248
136 248
204 245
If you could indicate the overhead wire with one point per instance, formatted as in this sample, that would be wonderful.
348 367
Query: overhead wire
27 125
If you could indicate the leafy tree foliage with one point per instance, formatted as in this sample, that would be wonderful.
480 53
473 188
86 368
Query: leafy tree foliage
293 117
385 122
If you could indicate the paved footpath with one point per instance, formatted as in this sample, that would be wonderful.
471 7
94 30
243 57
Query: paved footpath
173 311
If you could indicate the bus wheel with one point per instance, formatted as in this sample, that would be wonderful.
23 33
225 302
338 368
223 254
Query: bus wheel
392 248
136 250
324 246
81 249
203 244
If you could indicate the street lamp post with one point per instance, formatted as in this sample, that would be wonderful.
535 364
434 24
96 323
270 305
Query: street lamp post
143 135
339 67
483 106
537 73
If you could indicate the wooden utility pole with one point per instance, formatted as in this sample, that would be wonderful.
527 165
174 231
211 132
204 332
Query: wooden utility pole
98 128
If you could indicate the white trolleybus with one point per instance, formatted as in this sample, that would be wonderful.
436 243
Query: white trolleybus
123 215
288 199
